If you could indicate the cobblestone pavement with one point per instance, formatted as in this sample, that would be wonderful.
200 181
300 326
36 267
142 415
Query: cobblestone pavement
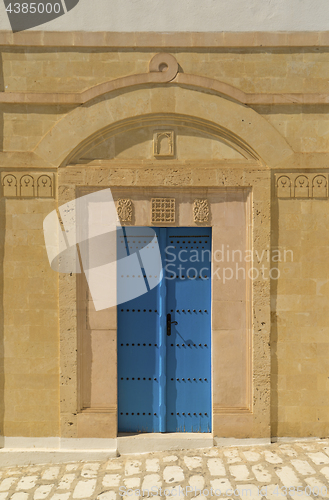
278 471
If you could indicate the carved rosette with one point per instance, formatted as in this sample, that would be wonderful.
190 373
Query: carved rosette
125 210
201 211
27 185
301 185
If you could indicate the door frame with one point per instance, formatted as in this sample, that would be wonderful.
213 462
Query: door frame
230 419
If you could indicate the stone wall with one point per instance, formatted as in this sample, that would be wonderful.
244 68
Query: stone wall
241 118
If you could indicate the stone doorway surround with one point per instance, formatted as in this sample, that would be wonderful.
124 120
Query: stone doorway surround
240 220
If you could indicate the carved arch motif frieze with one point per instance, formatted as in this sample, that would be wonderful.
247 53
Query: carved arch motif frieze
27 185
301 185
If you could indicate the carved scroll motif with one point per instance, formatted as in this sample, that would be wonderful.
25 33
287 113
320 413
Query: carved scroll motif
201 211
125 210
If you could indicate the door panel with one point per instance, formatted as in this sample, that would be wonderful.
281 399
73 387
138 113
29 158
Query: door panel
188 348
138 347
164 381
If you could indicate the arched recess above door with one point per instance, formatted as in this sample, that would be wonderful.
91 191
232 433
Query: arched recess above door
231 121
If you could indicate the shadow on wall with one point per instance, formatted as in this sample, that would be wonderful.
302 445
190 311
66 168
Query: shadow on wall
2 242
274 328
2 88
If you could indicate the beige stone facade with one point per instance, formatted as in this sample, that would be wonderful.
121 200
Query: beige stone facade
240 122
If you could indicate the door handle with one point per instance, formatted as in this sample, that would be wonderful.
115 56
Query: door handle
169 323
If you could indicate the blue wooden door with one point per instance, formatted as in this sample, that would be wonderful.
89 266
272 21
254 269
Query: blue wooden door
164 337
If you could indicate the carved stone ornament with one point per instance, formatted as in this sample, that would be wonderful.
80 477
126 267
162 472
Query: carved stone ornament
300 185
201 211
27 185
125 210
163 210
163 143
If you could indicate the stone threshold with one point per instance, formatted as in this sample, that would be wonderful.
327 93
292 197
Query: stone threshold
20 451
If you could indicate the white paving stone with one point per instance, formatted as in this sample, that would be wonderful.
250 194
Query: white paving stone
212 453
66 481
318 488
232 456
306 446
197 483
20 496
251 456
288 451
193 462
170 458
325 472
27 483
7 483
51 473
274 493
152 481
240 472
303 467
60 496
108 495
288 477
132 483
111 480
84 489
132 467
319 458
216 467
223 485
173 491
152 465
43 491
262 475
272 458
173 474
113 466
72 467
248 491
3 496
90 470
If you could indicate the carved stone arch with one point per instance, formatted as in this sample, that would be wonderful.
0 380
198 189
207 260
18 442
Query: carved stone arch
171 121
302 187
243 123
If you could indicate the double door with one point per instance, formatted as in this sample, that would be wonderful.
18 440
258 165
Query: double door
164 335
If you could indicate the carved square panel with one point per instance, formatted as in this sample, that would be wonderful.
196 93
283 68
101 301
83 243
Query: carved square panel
163 210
